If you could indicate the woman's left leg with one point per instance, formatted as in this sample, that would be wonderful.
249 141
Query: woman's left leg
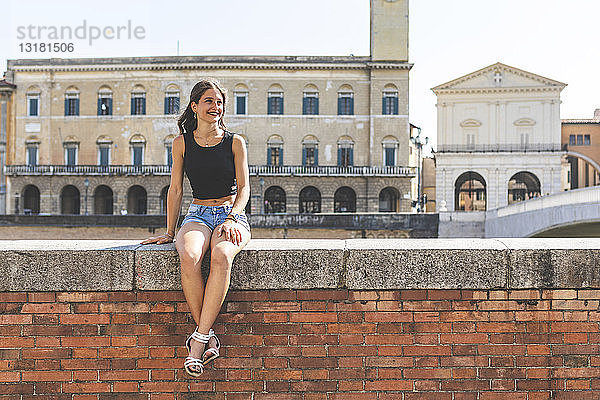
221 258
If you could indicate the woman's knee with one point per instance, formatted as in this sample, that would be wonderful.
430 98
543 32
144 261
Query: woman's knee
189 257
220 258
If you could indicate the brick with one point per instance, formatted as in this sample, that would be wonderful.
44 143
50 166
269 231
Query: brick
313 317
527 294
395 385
71 297
559 294
574 327
464 316
340 294
415 294
427 373
15 319
96 319
46 376
389 317
463 338
120 375
588 294
276 306
364 328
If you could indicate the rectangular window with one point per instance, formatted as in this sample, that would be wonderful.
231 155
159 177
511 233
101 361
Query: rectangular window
309 156
274 156
579 140
572 139
72 104
390 103
345 156
138 104
524 139
71 155
32 155
172 103
345 103
310 103
275 103
241 103
169 154
104 156
470 137
33 105
390 156
105 104
138 155
587 140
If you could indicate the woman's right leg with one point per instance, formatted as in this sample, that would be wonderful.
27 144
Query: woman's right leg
193 240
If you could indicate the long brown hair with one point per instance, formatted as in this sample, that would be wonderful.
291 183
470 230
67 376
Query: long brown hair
187 122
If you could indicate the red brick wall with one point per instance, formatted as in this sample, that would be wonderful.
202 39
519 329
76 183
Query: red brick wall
306 344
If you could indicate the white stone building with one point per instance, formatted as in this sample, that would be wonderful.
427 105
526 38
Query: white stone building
499 139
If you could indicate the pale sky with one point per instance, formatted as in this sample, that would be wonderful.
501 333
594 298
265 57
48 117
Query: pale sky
448 38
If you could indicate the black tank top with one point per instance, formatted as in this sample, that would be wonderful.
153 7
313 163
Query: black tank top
211 170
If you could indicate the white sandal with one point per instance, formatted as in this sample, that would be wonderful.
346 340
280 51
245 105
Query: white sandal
193 361
213 350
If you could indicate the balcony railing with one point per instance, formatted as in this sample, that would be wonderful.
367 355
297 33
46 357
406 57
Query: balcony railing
87 170
329 170
497 148
255 170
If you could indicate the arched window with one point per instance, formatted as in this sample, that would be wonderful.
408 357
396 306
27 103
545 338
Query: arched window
345 151
105 106
310 151
137 143
274 200
523 186
469 192
240 95
310 100
33 101
138 100
163 200
345 100
31 199
389 100
70 200
389 199
344 200
172 99
275 100
103 200
136 200
275 150
390 150
310 200
72 101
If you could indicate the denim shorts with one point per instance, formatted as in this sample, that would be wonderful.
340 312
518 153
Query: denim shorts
212 216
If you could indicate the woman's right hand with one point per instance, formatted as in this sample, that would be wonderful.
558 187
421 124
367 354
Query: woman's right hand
164 238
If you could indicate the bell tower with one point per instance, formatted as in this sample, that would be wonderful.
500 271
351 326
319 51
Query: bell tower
389 30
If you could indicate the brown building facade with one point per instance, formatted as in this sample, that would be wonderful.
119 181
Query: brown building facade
581 140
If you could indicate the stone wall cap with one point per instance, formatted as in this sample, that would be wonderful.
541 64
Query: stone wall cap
551 243
424 244
57 245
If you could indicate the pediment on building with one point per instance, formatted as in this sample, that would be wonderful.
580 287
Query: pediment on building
499 77
470 123
524 122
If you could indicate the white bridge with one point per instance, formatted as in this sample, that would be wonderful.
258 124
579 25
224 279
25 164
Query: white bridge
525 218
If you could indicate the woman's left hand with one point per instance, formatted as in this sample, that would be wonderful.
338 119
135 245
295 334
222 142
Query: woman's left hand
231 232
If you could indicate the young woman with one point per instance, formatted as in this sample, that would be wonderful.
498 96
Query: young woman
215 162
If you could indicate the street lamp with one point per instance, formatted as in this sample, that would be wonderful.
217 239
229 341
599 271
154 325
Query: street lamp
262 194
87 185
419 142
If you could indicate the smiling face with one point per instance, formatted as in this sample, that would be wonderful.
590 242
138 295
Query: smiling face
210 107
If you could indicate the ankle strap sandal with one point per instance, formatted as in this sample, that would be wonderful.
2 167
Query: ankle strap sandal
212 352
193 361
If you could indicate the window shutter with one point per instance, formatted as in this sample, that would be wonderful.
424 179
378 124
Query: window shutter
303 155
144 106
304 106
316 106
340 111
99 106
339 162
351 150
176 105
76 106
268 155
316 156
33 107
132 106
241 105
270 105
110 106
166 105
351 105
281 107
281 156
66 106
383 105
396 105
